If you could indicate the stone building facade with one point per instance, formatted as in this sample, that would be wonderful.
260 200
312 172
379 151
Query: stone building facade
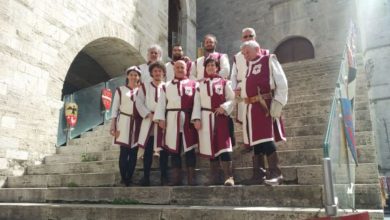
324 24
41 40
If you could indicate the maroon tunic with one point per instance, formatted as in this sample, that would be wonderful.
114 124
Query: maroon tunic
260 127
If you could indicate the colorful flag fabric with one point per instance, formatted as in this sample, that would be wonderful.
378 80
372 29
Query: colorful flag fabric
349 127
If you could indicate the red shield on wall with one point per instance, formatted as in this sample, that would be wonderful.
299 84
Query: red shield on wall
106 98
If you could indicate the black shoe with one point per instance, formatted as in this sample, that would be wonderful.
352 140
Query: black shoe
145 182
126 182
164 181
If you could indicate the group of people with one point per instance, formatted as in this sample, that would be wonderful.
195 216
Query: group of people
185 108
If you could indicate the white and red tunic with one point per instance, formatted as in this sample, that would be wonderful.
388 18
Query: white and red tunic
170 75
145 75
239 68
223 59
175 108
146 103
266 75
126 115
214 136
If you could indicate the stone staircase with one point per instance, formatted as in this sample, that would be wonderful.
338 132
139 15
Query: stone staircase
82 180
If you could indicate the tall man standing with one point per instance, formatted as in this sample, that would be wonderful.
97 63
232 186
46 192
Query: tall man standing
264 90
239 68
210 44
178 54
173 114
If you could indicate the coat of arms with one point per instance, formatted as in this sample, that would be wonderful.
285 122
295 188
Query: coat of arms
219 89
188 90
256 69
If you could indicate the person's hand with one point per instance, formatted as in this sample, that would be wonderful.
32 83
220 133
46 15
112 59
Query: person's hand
220 111
161 123
115 133
197 124
237 92
150 116
186 59
276 109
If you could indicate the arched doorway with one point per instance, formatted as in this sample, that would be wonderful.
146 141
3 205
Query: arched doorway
99 61
294 49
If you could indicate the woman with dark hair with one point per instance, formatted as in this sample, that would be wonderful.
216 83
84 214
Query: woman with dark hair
126 123
151 135
214 102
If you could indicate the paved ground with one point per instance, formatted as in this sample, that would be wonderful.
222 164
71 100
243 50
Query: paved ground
387 217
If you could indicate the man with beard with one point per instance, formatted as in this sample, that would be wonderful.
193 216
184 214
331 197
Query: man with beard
177 54
210 44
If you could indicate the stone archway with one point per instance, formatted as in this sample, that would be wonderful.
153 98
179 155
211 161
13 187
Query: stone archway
294 49
99 61
91 40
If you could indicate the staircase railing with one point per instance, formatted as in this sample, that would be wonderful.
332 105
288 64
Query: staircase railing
339 146
90 109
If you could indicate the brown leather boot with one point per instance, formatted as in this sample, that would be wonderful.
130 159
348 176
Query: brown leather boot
227 167
214 175
275 174
176 177
191 176
258 171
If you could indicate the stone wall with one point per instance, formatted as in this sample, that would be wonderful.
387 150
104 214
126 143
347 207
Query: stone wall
324 23
38 42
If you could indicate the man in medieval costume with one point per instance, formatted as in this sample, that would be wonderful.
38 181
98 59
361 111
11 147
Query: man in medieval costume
151 135
239 68
173 114
264 93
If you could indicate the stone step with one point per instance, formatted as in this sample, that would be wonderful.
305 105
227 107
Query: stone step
304 174
23 211
287 156
297 74
280 196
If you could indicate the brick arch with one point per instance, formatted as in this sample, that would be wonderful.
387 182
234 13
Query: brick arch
294 48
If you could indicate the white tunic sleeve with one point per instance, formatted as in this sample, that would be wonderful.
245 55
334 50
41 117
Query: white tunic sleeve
159 113
140 103
228 106
233 76
278 81
115 105
196 110
225 66
192 75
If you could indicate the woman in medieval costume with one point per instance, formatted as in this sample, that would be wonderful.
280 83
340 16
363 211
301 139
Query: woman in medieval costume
126 123
214 102
151 135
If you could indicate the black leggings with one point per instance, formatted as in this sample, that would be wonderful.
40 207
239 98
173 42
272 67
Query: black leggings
189 155
148 159
127 162
266 148
231 132
225 156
